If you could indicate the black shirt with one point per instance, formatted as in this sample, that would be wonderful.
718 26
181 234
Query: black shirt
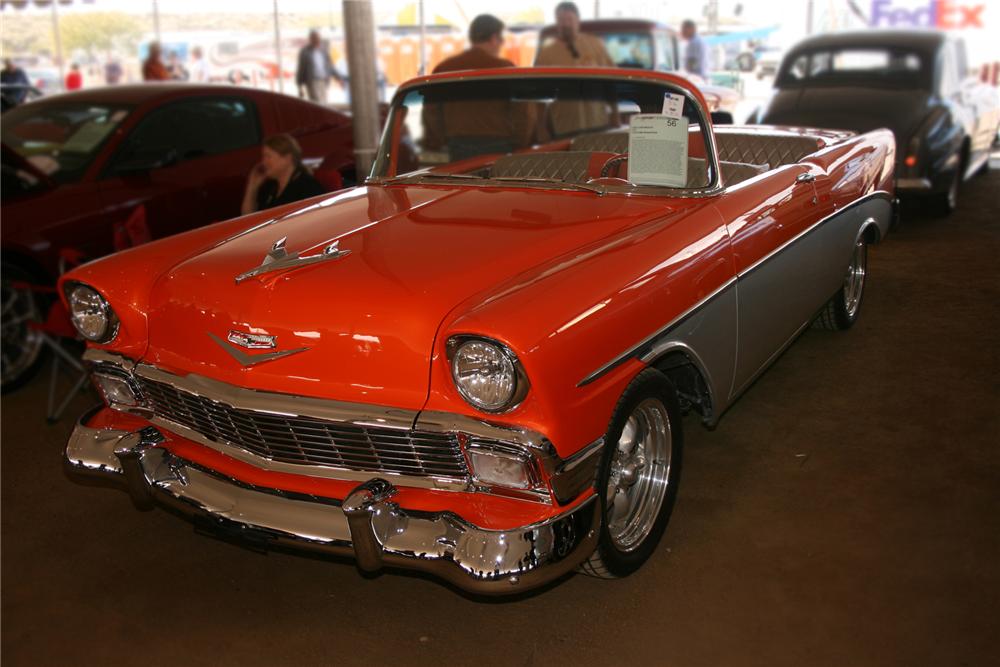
301 185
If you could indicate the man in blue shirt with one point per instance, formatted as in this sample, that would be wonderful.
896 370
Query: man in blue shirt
15 82
695 54
315 69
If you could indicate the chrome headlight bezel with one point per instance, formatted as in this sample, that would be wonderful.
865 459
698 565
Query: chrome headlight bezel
520 382
111 323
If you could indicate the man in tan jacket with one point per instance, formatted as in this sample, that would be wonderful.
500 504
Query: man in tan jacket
572 48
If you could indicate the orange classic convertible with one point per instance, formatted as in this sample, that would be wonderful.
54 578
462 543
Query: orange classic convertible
476 364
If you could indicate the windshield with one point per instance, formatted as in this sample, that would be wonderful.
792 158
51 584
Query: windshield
558 130
879 67
60 140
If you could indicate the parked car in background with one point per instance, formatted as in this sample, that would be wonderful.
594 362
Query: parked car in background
318 377
641 44
917 83
76 166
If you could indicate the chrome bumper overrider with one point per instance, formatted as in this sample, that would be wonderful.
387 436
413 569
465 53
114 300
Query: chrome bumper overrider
366 525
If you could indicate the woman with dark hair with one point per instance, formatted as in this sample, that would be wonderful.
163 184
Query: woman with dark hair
280 177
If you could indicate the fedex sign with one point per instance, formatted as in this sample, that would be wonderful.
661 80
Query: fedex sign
943 14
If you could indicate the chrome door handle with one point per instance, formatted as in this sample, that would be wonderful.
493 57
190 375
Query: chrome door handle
805 178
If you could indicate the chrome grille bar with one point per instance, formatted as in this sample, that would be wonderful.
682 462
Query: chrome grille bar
307 440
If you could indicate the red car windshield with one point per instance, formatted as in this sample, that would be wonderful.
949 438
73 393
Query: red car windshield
60 140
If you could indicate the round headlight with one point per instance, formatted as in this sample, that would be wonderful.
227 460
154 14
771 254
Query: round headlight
91 314
487 375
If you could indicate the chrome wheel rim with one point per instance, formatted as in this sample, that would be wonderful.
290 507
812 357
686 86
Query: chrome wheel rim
20 344
854 284
639 475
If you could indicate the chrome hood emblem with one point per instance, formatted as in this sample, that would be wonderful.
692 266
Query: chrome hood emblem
252 342
278 258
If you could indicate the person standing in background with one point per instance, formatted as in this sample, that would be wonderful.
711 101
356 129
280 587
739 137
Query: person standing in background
176 68
315 69
199 66
74 80
152 67
12 75
695 54
485 42
112 72
572 47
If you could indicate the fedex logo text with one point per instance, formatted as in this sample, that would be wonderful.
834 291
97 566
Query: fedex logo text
943 14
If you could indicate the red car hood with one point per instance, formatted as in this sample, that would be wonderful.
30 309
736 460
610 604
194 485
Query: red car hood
366 321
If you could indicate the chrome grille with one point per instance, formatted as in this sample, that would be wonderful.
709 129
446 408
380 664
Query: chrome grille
309 441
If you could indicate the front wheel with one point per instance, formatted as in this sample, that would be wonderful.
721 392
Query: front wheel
841 312
638 477
946 202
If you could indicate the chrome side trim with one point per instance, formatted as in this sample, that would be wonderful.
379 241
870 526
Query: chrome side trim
642 347
366 525
877 194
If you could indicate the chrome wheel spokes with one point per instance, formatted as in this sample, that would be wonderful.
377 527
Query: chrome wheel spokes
854 283
639 474
21 344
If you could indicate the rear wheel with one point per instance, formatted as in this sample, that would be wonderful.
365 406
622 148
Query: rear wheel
22 351
841 312
638 477
946 202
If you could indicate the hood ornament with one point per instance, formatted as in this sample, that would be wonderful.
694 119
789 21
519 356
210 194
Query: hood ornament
277 258
252 341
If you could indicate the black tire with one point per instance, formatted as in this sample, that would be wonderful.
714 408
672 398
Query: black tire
20 346
649 390
842 310
945 203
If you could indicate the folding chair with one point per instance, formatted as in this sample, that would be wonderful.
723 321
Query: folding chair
57 328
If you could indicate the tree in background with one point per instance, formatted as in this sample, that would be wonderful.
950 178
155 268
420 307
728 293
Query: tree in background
100 32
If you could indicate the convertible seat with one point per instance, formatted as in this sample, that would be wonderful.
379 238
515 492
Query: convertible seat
771 149
610 142
567 166
732 172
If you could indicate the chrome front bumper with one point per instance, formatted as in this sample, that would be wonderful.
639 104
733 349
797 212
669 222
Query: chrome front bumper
366 525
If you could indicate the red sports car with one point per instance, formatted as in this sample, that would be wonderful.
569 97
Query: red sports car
76 166
476 365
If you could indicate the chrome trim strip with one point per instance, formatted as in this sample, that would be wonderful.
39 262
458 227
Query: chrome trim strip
366 524
876 194
651 339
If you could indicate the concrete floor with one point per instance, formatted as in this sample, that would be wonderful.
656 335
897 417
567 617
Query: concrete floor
845 512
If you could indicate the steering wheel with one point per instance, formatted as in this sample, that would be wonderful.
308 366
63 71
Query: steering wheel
612 161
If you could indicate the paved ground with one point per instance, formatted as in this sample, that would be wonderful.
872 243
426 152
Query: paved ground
845 512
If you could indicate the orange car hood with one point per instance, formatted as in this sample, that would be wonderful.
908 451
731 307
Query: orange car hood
364 323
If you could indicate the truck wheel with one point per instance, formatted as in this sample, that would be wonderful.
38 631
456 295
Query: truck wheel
21 347
841 312
638 477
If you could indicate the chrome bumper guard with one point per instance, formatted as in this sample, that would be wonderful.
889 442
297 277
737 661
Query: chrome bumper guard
366 525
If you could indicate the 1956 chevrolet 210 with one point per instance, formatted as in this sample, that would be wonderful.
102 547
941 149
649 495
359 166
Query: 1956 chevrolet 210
476 364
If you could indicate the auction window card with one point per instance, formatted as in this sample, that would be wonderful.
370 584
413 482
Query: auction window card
658 150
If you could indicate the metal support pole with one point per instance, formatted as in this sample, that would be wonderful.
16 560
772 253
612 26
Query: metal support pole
156 19
277 50
58 43
713 17
597 9
423 40
809 17
359 35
